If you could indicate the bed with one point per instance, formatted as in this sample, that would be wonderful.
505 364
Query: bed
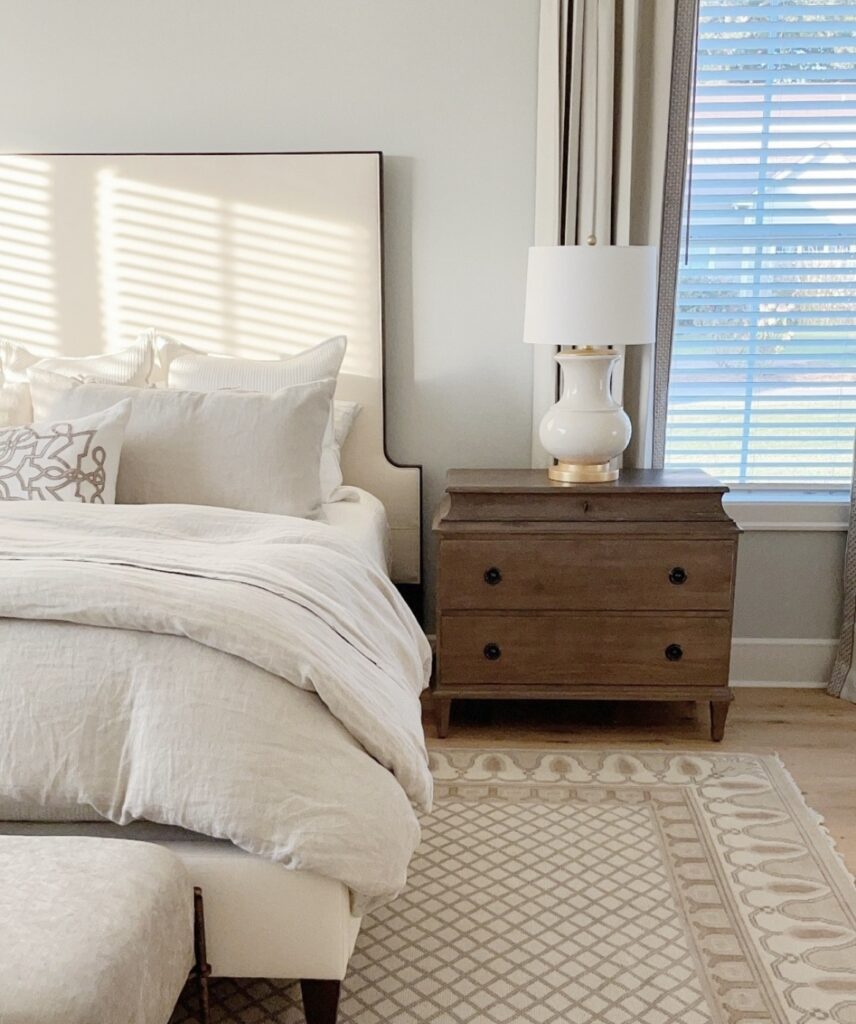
286 642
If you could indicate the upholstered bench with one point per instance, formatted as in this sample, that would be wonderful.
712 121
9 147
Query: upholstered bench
92 931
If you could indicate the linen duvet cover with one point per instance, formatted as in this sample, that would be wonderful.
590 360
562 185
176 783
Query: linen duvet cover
247 676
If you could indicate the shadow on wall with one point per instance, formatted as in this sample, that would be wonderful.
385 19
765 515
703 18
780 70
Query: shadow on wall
223 275
28 309
227 277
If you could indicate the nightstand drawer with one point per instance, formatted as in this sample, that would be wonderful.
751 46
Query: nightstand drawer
580 649
586 572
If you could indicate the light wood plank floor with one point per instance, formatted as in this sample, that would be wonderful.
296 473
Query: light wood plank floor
814 734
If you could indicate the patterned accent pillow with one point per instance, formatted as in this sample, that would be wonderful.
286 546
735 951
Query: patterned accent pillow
71 460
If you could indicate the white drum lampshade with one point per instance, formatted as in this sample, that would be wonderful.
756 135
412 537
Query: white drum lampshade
590 297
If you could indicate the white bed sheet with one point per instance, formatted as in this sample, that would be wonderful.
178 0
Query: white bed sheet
362 517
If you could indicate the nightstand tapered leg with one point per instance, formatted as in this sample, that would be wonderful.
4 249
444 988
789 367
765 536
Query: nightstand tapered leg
444 712
718 714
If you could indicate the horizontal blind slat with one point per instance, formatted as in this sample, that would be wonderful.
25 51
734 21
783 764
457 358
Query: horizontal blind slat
763 383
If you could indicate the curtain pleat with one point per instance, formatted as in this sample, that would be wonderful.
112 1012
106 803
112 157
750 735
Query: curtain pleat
550 184
683 70
605 124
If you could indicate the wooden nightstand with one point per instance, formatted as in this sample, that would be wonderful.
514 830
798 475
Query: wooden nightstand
616 591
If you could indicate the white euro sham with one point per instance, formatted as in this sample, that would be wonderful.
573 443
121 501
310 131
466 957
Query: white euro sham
15 406
133 366
344 417
190 370
229 449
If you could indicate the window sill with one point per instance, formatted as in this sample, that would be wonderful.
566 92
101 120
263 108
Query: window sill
784 511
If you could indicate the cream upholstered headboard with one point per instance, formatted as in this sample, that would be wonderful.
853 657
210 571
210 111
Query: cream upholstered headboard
257 255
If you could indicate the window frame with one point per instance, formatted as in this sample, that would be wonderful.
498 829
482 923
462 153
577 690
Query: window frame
783 495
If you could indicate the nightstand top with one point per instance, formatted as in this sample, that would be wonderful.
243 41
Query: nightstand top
536 481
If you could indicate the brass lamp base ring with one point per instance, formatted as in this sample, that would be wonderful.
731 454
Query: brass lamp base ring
578 473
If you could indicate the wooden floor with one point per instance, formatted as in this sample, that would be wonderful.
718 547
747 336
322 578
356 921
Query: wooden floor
814 734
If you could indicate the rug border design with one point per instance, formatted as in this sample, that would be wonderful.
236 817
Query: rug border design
696 886
731 793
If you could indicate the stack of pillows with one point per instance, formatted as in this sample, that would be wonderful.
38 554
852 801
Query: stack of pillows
162 422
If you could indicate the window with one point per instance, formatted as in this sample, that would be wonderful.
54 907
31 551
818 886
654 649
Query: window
763 377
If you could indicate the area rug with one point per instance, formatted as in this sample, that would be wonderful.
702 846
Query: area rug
587 887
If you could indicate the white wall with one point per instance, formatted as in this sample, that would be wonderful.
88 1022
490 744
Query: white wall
446 89
787 611
789 585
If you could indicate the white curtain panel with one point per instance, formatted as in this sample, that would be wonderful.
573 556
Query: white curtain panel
605 87
843 682
674 175
549 172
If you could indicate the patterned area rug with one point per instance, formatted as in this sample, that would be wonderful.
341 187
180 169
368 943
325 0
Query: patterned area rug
601 888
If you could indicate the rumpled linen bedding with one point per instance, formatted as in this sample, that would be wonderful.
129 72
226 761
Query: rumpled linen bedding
247 676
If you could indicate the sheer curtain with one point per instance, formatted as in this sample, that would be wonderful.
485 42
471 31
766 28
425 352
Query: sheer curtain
613 90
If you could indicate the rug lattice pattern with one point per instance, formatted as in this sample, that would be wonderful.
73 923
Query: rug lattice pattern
600 888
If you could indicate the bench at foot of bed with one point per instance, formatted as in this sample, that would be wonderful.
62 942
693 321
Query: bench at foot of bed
262 920
95 930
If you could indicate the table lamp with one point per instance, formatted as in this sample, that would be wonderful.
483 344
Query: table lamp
586 299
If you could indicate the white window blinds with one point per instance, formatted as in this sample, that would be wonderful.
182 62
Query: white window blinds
763 378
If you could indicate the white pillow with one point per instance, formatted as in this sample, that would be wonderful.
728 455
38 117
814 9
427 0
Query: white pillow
70 460
194 371
197 371
230 449
15 408
133 366
344 414
166 349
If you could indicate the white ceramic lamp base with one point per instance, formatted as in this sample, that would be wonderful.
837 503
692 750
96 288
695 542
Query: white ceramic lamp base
586 429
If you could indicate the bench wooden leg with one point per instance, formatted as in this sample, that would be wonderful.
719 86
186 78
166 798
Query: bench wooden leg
320 1000
202 968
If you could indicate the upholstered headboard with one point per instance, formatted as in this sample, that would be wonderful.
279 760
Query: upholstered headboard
252 254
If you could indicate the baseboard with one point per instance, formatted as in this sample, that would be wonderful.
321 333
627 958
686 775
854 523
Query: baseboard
786 662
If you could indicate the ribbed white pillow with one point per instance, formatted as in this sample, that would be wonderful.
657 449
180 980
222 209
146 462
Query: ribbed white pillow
133 366
195 371
230 449
15 407
70 460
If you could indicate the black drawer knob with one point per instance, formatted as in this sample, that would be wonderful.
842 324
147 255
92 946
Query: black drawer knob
678 575
674 652
492 576
492 652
